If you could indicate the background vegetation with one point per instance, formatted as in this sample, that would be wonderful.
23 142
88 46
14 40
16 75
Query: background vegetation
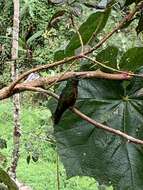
48 32
35 128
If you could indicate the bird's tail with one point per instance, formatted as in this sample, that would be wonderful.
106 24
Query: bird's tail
57 116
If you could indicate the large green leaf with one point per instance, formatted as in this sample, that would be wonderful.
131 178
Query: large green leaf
132 59
108 56
59 55
88 30
93 25
88 151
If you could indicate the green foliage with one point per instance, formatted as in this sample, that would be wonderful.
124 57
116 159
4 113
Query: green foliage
83 149
128 2
88 30
139 28
35 128
88 151
3 143
108 56
45 177
132 59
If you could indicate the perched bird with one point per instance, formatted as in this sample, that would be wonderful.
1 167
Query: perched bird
67 98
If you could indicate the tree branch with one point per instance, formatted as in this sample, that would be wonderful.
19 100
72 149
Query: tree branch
42 67
107 128
91 121
118 27
41 82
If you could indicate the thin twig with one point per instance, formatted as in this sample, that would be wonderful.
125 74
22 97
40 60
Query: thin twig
103 65
78 33
58 176
113 69
42 67
61 76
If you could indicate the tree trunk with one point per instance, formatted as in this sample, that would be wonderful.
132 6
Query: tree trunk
16 98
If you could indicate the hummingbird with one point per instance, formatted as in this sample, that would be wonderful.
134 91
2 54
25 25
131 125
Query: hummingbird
67 98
